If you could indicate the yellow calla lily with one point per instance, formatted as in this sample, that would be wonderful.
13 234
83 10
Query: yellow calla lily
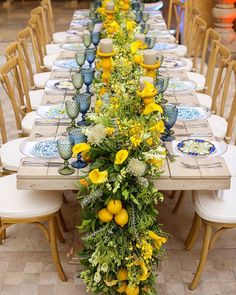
121 156
158 241
80 147
98 177
159 126
149 90
157 162
130 25
135 46
152 107
144 269
135 140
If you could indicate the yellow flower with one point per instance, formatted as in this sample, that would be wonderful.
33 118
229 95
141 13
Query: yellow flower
121 156
137 59
152 107
98 177
80 147
98 105
149 90
136 45
147 249
102 91
157 162
135 140
158 241
101 10
106 76
110 130
159 126
83 182
113 27
144 269
149 141
130 25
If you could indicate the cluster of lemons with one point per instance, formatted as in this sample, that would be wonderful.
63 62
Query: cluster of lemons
114 209
122 276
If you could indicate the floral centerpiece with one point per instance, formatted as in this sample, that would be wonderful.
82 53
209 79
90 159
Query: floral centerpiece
122 237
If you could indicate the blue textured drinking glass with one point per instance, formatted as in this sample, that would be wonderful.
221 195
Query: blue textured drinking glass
65 151
84 101
144 28
80 57
76 136
141 7
161 85
77 81
90 56
87 40
136 6
95 38
88 76
170 113
138 16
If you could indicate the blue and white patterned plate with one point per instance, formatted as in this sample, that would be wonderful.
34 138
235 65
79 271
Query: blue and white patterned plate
196 147
171 63
82 22
60 85
72 46
52 112
41 148
192 113
66 63
178 85
164 46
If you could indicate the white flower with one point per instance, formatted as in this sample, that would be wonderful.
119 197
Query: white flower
95 134
136 167
142 181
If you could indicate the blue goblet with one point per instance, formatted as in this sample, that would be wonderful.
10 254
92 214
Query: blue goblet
76 136
84 101
136 6
170 112
138 16
161 85
90 56
88 76
144 28
95 38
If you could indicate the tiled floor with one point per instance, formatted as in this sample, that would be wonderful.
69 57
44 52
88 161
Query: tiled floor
25 262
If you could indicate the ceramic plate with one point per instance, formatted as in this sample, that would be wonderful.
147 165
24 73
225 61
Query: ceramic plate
72 46
81 22
79 16
192 113
164 46
158 33
66 63
75 33
43 148
60 84
178 85
171 63
52 112
196 147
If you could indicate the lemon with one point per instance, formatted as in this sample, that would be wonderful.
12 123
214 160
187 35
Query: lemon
122 217
114 206
104 215
122 274
132 290
122 288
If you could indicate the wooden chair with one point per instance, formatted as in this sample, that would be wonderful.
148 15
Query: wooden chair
47 5
35 207
190 14
13 82
27 39
178 7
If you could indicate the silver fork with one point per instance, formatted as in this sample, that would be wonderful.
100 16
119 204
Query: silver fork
195 134
49 135
41 164
194 167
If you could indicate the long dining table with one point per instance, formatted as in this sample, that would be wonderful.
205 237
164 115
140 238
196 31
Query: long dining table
184 173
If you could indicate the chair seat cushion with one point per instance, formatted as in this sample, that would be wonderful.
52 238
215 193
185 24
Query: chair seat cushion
36 97
41 78
28 122
198 79
10 154
60 37
48 60
53 48
181 50
26 203
217 209
218 126
204 99
230 159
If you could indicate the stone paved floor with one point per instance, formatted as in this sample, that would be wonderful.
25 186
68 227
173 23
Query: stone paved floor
26 266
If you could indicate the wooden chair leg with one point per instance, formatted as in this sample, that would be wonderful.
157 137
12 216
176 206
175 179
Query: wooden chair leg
64 199
58 232
53 243
193 233
205 249
192 229
216 235
174 194
179 202
62 221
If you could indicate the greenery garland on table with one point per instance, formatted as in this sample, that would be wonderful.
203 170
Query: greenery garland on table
122 238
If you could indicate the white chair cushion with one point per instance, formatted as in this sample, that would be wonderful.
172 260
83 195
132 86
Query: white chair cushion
53 48
26 203
181 50
217 209
48 60
204 99
60 37
189 64
41 78
198 79
10 154
230 159
218 126
36 97
28 122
